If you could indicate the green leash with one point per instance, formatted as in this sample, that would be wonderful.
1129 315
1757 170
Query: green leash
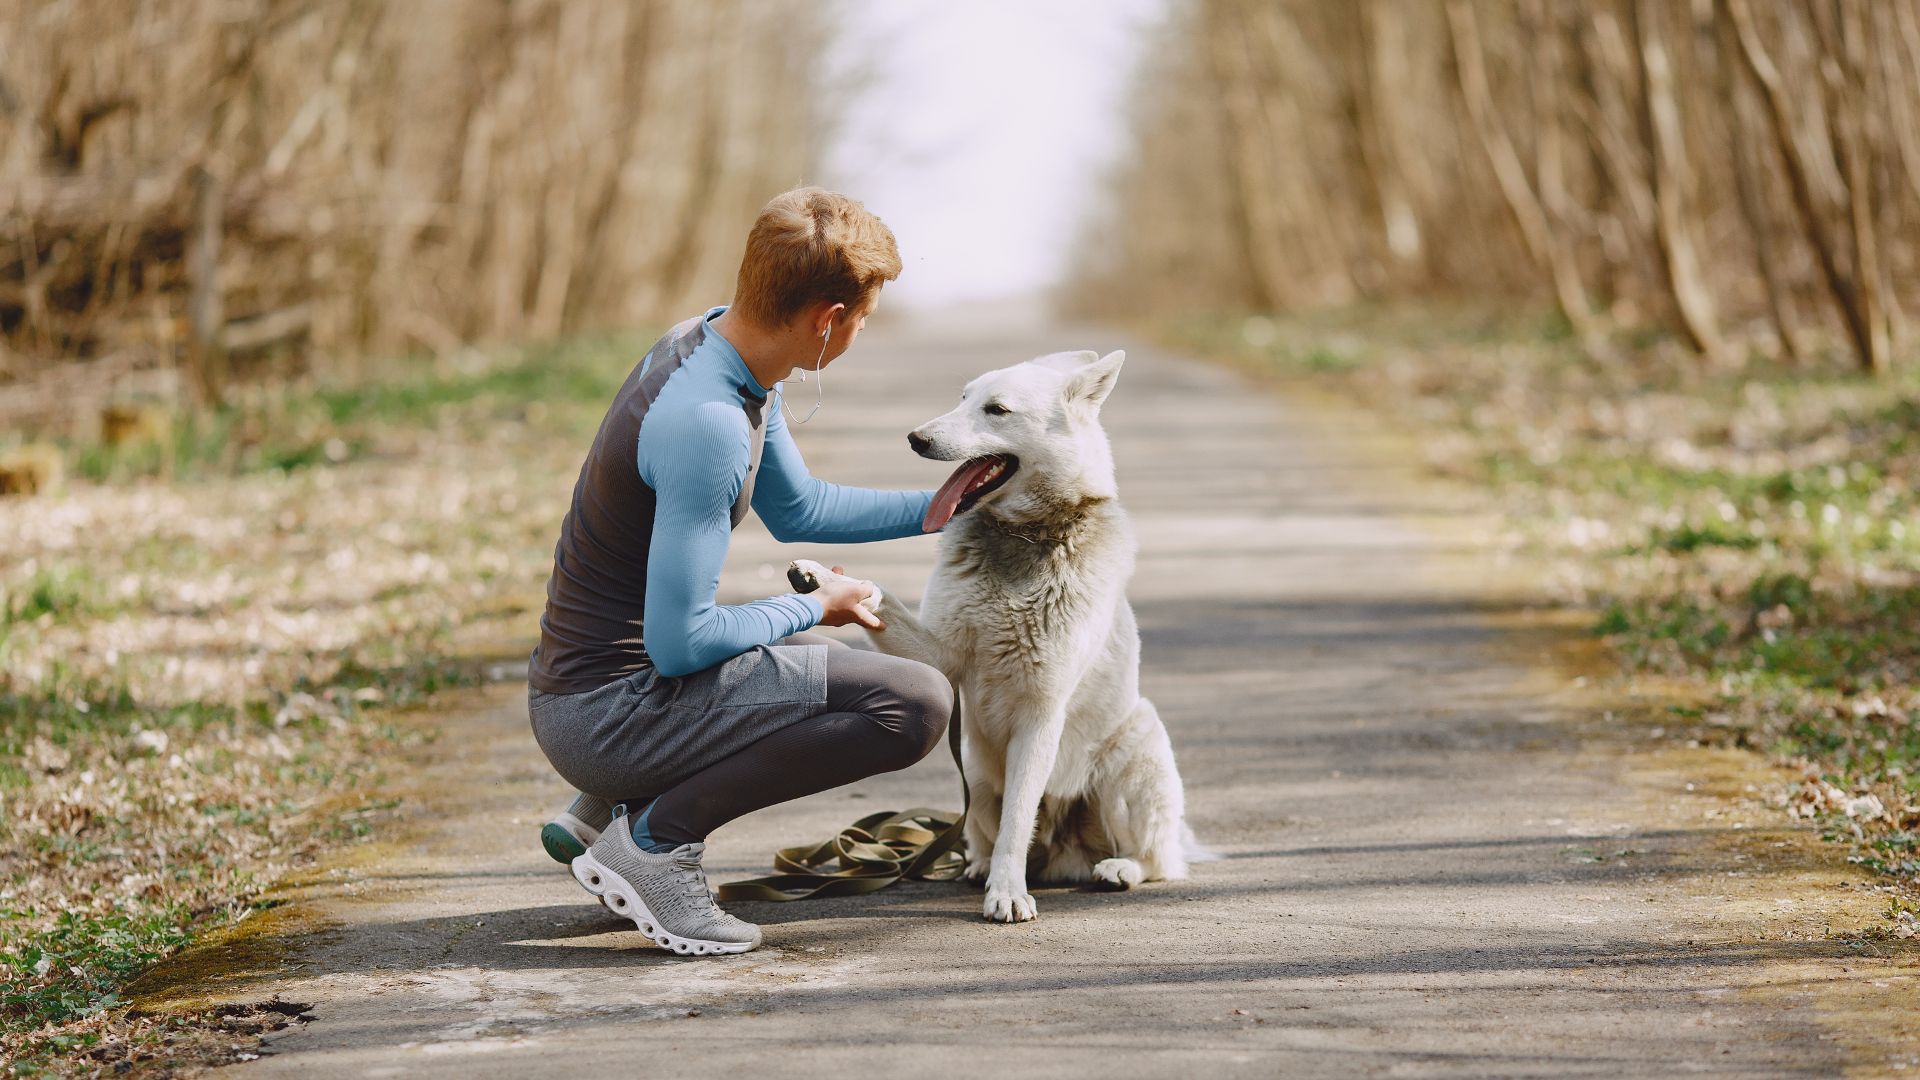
874 852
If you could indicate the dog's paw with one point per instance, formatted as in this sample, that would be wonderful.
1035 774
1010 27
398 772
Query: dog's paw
977 870
805 576
1117 874
1006 905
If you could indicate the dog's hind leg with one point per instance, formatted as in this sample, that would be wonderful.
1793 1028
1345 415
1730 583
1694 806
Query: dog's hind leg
1069 863
1075 842
1143 805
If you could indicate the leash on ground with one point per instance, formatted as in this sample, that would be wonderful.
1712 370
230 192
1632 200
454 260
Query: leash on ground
874 852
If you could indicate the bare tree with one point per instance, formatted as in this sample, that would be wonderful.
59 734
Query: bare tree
1634 162
211 182
1672 184
1548 249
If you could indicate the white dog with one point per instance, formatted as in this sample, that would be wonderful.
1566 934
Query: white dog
1072 775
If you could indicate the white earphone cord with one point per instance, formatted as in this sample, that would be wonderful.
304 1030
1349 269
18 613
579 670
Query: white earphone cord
819 382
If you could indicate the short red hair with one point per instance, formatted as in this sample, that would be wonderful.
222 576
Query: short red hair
809 246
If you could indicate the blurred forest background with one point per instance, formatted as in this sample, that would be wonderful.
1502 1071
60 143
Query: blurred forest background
1743 175
219 191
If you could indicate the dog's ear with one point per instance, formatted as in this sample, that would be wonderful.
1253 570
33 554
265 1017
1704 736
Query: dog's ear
1093 382
1066 363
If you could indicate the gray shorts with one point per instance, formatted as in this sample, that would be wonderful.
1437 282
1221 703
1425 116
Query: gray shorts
644 733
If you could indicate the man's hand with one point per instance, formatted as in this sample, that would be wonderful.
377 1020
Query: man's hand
841 597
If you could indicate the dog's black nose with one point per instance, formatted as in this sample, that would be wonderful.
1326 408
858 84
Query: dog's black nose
918 442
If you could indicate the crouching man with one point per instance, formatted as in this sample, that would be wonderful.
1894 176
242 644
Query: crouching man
672 714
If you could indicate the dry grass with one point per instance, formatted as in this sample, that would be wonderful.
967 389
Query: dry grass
198 678
1748 536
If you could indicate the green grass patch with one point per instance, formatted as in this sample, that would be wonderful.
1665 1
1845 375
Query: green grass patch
559 386
559 376
1896 854
75 967
1690 537
50 593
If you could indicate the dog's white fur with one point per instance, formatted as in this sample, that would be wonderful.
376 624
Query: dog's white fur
1072 776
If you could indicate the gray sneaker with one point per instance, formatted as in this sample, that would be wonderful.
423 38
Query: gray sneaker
574 829
665 895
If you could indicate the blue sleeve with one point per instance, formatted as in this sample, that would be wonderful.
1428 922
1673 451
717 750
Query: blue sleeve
795 505
695 462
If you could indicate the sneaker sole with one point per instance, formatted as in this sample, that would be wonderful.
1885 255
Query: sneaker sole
620 898
566 838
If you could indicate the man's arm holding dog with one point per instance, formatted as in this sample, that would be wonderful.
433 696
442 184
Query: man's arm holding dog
795 505
899 632
695 484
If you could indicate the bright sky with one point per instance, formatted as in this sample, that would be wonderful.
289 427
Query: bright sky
983 132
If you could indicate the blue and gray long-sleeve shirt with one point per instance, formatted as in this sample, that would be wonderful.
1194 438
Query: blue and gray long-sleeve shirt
668 477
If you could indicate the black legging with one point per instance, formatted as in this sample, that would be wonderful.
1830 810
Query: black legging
882 713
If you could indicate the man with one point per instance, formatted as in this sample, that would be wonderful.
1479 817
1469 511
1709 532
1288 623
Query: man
645 693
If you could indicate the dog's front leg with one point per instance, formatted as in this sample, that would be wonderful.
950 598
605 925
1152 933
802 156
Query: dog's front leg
1030 756
904 636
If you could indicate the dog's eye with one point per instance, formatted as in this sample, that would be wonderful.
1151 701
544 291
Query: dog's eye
994 408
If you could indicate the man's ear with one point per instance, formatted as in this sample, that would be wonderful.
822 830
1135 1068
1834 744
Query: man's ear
825 317
1092 383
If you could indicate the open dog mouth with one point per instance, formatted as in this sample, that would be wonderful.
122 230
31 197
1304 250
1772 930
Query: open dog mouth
966 486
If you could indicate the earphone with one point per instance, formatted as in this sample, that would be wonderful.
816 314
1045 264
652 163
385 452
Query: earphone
819 382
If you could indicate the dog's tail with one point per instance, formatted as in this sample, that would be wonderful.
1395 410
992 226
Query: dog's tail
1195 851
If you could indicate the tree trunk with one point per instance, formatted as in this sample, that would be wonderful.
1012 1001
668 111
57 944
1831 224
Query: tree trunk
1384 54
1252 167
1547 251
1856 159
1760 67
1743 132
1685 280
205 302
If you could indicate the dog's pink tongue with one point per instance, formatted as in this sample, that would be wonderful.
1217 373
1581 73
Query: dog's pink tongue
947 499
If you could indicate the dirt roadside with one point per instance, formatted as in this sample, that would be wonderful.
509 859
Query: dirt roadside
1760 877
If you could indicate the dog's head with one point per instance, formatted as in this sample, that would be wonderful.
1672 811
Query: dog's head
1028 438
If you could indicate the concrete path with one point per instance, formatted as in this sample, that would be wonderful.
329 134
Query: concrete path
1426 872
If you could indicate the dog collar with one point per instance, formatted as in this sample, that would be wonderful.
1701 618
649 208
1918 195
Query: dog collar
1042 536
